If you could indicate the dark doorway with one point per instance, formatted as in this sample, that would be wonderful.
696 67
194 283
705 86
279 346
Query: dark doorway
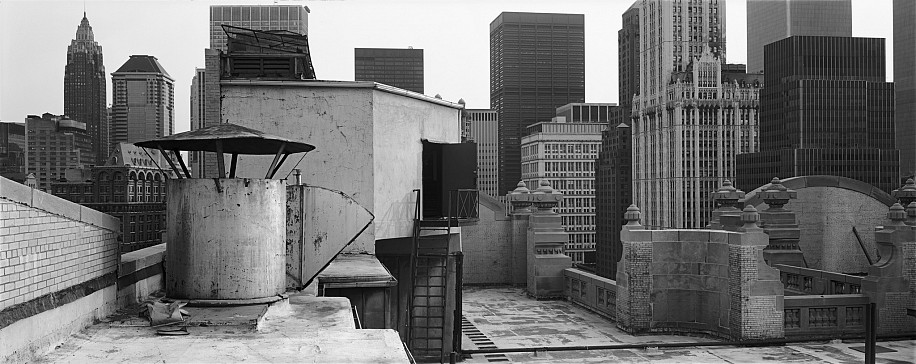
447 168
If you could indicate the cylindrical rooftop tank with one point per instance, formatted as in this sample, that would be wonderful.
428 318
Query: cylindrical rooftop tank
226 240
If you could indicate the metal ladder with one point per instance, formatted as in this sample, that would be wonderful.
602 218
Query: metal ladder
429 268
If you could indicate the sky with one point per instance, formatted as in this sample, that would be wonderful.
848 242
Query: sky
454 34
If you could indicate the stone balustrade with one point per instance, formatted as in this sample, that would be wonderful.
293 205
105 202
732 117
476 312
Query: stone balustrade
832 316
808 281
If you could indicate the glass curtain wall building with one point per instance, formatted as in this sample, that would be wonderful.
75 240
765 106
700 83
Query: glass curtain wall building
826 110
537 63
401 68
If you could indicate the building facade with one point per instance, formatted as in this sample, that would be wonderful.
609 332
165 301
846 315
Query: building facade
483 129
828 111
401 68
55 144
293 18
905 84
537 63
85 89
564 154
143 104
694 112
628 57
613 194
12 151
198 110
588 112
772 20
130 186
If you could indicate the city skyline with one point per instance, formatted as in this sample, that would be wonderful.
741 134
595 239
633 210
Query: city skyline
33 84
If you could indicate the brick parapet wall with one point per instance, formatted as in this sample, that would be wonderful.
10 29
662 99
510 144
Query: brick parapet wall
49 244
634 313
890 281
755 291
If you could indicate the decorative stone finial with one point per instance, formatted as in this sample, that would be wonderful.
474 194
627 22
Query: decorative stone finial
545 198
750 217
775 195
521 187
906 194
727 195
632 215
897 214
520 198
544 188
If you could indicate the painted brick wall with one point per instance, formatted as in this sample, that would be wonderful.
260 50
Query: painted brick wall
487 246
49 244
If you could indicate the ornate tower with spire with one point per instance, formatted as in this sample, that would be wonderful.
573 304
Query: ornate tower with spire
85 89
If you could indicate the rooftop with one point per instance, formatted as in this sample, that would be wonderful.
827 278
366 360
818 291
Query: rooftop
307 328
506 317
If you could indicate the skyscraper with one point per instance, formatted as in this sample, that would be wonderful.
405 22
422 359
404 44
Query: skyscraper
564 153
537 63
144 101
826 110
198 110
484 130
293 18
613 194
905 84
771 20
628 57
402 68
85 94
694 112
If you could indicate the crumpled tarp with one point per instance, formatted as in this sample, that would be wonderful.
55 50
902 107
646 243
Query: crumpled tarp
163 313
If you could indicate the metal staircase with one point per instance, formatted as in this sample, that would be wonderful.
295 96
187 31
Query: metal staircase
429 263
436 270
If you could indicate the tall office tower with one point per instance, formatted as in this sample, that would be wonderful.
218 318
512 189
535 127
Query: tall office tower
628 57
694 113
537 63
293 18
905 84
564 154
402 68
613 194
772 20
826 109
198 110
55 144
483 129
144 101
85 94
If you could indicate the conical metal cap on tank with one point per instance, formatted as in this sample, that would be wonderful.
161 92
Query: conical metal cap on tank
226 236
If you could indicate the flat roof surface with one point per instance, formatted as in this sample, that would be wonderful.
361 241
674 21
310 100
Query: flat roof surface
306 330
507 318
